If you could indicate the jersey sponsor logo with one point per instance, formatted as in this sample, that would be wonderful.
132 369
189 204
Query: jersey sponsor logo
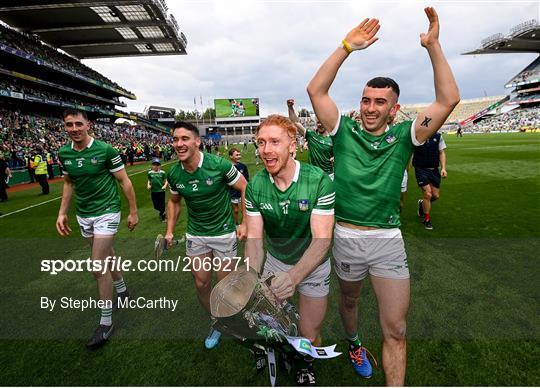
266 206
390 139
209 181
303 205
193 181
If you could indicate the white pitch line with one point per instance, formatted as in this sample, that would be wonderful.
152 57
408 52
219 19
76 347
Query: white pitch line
54 199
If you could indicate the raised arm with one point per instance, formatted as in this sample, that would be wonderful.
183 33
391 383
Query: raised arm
358 38
294 117
433 117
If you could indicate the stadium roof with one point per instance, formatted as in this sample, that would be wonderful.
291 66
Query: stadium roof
98 29
523 38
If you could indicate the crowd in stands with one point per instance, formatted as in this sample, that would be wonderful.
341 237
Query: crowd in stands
531 72
527 97
46 53
21 136
515 120
15 86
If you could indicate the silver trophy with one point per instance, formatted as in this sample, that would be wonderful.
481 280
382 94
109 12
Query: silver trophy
244 306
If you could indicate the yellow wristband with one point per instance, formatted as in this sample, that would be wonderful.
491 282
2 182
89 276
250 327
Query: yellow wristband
346 46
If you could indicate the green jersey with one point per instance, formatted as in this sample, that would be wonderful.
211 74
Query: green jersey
91 170
320 151
287 214
206 194
157 180
369 171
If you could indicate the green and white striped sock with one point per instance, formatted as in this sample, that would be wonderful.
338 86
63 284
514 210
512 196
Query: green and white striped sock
120 285
106 317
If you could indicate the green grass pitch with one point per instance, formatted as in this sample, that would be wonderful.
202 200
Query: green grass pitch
474 307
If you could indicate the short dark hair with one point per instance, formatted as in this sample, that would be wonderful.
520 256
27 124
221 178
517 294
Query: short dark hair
233 150
184 124
74 112
384 82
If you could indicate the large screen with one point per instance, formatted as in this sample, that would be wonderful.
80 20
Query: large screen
236 107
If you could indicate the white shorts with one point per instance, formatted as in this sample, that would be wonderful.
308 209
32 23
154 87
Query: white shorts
236 201
220 246
316 284
379 252
105 225
404 182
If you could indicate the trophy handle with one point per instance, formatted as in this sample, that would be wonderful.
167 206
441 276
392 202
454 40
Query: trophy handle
268 280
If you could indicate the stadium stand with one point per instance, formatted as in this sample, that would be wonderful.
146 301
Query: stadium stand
522 38
464 110
98 29
22 134
524 100
531 74
522 120
33 50
38 82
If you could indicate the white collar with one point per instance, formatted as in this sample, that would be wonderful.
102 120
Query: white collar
200 161
87 146
296 172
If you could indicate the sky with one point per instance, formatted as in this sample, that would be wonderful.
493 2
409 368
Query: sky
270 49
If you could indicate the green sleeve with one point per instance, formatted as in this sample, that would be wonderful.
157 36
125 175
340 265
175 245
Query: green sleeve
230 173
326 197
252 207
114 161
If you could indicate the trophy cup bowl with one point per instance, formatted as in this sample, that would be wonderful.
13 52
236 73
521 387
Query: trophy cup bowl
244 306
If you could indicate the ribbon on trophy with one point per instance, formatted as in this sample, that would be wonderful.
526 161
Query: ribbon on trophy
243 305
304 346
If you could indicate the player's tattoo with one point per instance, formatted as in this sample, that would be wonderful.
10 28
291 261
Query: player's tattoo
426 121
